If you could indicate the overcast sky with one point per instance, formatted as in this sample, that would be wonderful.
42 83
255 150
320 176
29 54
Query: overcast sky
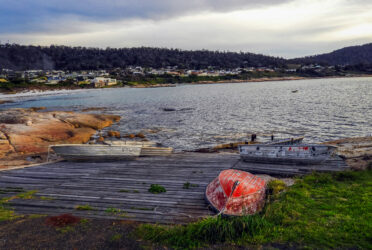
286 28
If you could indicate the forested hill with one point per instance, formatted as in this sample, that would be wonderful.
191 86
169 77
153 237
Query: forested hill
346 56
21 57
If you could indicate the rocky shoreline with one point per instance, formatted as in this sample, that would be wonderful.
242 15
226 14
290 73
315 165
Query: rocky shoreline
25 134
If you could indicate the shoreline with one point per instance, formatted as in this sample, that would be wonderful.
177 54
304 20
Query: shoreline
60 91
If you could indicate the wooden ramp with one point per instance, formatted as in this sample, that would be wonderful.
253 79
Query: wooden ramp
120 189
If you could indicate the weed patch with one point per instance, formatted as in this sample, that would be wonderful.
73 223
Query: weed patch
156 189
83 207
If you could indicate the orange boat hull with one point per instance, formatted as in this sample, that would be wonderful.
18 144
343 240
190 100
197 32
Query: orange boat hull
236 193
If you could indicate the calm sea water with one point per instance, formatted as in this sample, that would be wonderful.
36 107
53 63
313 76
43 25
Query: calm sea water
205 115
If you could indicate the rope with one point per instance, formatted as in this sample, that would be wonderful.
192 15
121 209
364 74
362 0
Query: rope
236 183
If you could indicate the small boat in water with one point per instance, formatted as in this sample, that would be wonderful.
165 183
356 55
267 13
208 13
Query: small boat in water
236 192
86 152
303 154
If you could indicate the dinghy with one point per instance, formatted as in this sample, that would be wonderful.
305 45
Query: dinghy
131 143
285 141
236 192
86 152
302 154
148 148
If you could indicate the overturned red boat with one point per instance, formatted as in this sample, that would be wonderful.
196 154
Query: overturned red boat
236 192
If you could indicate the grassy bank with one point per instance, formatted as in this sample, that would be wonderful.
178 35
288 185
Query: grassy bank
319 211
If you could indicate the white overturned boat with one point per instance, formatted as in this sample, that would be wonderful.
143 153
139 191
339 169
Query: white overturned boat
303 154
87 152
148 148
131 143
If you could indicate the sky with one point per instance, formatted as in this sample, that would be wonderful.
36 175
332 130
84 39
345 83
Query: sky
285 28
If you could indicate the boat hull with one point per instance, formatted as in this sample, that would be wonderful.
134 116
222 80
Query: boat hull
286 141
286 154
72 152
247 197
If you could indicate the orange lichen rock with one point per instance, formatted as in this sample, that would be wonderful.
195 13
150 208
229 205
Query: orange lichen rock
112 133
20 137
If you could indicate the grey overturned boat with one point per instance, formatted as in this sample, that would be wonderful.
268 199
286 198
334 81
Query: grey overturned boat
86 152
302 154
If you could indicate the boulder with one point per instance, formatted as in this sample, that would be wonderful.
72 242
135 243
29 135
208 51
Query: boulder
20 137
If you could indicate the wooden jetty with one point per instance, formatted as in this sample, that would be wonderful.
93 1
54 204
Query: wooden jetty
63 186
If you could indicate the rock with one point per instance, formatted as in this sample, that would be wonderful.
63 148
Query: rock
357 151
5 101
35 109
140 135
3 136
169 109
5 148
132 136
93 109
112 133
20 137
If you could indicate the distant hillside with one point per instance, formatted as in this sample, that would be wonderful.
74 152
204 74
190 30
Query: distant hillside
13 56
20 57
346 56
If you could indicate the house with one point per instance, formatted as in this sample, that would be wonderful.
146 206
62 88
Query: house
55 79
99 82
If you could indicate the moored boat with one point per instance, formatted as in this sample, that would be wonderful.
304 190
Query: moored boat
236 192
303 154
131 143
85 152
286 141
148 148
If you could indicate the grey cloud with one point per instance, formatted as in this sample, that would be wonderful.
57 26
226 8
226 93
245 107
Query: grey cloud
31 15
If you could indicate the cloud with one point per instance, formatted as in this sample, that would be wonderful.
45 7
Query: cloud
36 15
290 29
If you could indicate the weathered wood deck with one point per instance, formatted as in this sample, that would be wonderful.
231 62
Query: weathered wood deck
124 185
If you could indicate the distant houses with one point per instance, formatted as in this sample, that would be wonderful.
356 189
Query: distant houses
99 82
106 78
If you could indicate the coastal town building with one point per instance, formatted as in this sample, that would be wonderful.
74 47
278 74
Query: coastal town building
99 82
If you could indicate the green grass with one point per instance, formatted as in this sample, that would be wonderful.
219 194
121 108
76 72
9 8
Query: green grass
84 207
188 185
318 211
116 237
6 212
27 195
156 189
112 210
